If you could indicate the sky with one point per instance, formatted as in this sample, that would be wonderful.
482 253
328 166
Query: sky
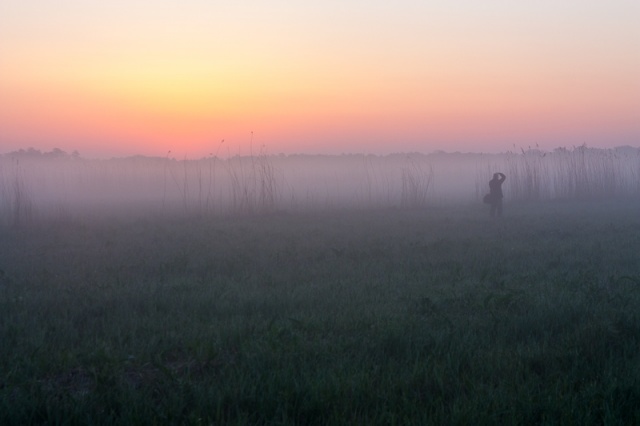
203 77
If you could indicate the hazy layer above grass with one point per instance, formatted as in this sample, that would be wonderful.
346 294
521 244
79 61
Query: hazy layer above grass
37 186
388 316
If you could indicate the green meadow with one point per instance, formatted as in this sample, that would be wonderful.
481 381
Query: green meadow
422 316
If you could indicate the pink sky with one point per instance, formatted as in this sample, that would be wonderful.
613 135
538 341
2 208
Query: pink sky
141 77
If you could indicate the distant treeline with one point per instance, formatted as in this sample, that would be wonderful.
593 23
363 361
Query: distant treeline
57 153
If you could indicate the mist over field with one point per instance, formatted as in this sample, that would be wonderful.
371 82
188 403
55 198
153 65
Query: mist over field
297 289
36 185
343 213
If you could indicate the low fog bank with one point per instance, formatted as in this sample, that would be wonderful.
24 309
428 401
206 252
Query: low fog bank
36 185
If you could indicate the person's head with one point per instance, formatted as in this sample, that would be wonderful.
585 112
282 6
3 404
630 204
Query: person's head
496 175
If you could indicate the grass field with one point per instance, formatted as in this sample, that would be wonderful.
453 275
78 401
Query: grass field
431 316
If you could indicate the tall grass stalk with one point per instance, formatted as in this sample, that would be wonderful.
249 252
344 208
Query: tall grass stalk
164 180
585 173
527 175
212 160
253 186
416 180
19 199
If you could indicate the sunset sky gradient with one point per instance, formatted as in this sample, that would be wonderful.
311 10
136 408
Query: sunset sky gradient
127 77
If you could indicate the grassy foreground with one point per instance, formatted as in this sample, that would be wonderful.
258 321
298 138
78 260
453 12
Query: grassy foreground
440 316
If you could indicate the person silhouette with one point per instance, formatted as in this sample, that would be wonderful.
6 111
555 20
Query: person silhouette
495 191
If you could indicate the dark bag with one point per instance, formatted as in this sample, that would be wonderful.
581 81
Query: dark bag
487 199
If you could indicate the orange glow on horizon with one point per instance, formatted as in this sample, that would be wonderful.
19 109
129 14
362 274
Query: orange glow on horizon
149 87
